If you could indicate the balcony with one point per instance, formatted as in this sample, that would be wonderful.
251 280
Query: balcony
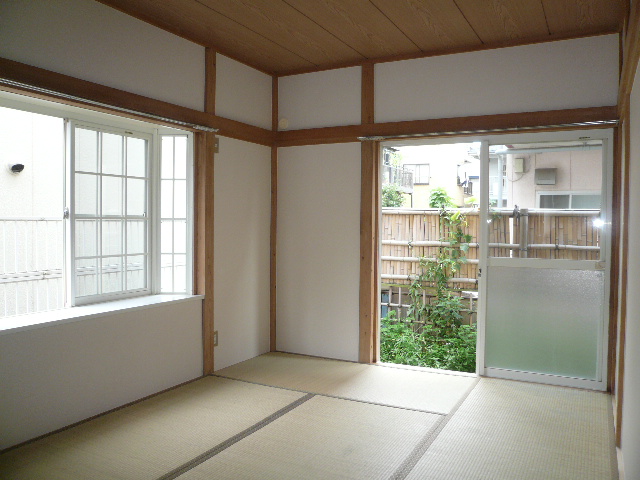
399 176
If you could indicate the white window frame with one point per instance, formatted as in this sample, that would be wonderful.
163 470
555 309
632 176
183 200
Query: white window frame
116 124
417 174
571 194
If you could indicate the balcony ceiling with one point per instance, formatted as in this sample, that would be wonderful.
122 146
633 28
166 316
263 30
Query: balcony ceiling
287 36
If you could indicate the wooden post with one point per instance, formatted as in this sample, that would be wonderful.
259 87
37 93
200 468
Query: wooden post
273 297
204 147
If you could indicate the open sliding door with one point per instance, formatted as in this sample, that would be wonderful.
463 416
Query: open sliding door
545 210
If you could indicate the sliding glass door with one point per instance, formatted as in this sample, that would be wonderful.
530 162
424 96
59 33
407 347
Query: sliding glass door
545 207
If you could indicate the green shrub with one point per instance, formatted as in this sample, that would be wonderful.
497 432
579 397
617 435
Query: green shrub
392 195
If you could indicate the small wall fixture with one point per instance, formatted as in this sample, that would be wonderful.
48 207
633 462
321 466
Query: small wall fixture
15 168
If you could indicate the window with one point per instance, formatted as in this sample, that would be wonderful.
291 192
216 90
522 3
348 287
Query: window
420 173
569 200
126 229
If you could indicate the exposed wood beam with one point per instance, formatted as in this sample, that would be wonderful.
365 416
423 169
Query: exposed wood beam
630 56
274 222
66 85
459 126
368 94
210 76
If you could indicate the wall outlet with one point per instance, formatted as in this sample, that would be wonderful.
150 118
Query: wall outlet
215 338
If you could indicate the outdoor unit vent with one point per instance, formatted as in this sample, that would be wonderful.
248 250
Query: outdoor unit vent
546 176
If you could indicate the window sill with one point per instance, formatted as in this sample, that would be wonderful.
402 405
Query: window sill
31 321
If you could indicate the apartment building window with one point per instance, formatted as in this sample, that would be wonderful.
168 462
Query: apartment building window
116 208
421 173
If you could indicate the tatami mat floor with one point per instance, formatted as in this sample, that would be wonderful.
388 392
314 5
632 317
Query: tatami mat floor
282 416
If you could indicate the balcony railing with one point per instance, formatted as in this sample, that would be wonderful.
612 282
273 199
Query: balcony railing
399 176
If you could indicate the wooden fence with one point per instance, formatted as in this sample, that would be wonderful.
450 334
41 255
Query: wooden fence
408 235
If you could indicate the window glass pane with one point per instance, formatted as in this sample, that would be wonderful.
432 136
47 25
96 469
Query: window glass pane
111 196
180 199
112 274
136 239
86 154
180 273
112 153
167 157
86 277
136 196
166 273
166 199
180 236
166 236
136 268
86 238
554 201
112 237
86 201
180 157
590 202
136 157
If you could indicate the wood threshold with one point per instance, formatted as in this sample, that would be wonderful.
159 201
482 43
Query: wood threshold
83 89
531 121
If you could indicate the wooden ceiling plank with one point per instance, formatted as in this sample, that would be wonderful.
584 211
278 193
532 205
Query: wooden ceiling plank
430 24
287 27
359 24
498 21
195 22
571 16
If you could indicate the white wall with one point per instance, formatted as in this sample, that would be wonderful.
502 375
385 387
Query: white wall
91 41
547 76
319 250
242 93
53 376
320 99
631 397
242 210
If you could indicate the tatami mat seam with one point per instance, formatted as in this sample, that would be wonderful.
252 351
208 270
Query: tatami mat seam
175 473
332 396
421 448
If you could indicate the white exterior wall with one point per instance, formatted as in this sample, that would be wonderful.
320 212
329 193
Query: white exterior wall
321 99
242 93
53 376
546 76
319 250
631 399
91 41
242 211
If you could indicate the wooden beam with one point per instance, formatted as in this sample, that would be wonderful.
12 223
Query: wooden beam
630 56
273 297
368 252
531 121
66 85
210 82
368 95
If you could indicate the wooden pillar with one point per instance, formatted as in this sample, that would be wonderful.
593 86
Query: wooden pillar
204 147
369 218
274 220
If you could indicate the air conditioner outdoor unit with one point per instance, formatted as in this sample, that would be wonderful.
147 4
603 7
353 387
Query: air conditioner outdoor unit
545 176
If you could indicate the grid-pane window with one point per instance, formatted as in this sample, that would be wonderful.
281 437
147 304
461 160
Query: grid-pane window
174 230
110 221
420 172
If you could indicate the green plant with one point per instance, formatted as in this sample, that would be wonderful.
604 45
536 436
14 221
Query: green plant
439 198
399 343
392 195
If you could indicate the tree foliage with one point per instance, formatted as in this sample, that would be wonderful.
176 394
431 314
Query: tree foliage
392 195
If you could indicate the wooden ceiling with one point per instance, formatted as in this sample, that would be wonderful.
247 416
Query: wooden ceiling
288 36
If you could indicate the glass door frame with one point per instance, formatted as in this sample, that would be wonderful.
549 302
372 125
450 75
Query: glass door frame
606 135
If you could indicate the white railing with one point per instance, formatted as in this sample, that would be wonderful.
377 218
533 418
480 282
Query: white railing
31 259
